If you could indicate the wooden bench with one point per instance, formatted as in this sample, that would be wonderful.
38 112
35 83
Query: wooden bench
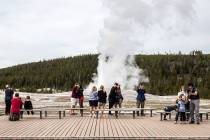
2 111
80 109
207 112
59 110
164 113
34 110
200 114
119 110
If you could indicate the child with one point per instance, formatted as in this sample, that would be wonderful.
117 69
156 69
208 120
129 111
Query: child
28 105
15 108
181 109
93 100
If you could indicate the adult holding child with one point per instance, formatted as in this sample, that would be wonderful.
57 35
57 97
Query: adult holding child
187 102
194 103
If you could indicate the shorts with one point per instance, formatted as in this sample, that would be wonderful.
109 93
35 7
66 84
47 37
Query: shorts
102 104
93 103
74 101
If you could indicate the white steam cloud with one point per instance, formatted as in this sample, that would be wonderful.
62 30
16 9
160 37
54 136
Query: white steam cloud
129 23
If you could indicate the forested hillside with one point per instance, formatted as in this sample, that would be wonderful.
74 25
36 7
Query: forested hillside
165 72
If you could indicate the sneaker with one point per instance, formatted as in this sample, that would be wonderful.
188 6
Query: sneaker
198 122
191 122
165 119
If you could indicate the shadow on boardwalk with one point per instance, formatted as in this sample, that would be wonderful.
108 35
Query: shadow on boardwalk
106 128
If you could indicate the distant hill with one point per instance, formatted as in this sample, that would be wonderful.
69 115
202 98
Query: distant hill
165 72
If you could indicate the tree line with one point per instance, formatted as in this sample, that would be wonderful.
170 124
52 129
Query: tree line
165 72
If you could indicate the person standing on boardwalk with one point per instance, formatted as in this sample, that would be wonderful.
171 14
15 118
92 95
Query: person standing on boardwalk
74 97
16 103
194 103
140 98
187 103
93 100
119 97
102 98
81 98
181 109
112 97
8 97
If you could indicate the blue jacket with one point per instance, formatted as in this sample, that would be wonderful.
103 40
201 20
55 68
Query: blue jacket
93 96
141 95
181 106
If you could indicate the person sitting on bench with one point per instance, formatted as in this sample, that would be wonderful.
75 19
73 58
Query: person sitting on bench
28 105
168 109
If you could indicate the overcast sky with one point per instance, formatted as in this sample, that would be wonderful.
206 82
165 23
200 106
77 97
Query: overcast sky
33 30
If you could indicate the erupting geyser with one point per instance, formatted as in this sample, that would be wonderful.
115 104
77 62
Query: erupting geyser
129 23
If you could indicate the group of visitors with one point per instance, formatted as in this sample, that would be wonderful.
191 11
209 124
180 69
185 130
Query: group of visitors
14 104
98 98
188 102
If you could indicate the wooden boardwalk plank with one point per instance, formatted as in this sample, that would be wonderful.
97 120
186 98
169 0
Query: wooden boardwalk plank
86 127
106 128
97 128
75 127
111 132
133 130
88 123
93 128
81 127
87 134
48 127
70 124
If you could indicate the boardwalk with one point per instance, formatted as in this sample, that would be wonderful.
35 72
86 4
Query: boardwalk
109 128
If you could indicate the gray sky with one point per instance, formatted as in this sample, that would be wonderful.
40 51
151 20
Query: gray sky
33 30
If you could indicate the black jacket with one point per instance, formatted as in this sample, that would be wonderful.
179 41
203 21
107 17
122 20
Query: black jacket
28 105
112 95
102 96
8 94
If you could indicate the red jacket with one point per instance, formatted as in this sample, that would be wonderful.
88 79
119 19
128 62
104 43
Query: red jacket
75 92
15 105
